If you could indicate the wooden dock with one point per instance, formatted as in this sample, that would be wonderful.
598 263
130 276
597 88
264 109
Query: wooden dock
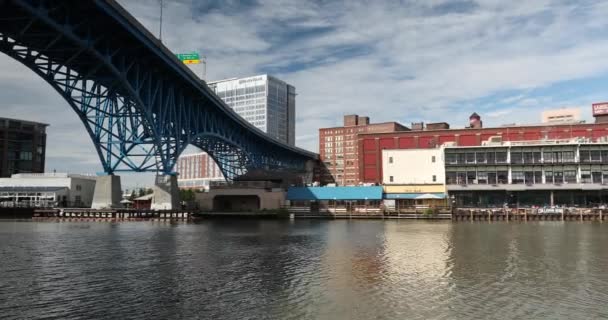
112 214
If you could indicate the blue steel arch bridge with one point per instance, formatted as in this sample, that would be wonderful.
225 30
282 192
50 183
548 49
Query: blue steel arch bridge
140 105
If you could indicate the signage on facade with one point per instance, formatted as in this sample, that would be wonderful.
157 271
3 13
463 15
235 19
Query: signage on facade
189 58
600 109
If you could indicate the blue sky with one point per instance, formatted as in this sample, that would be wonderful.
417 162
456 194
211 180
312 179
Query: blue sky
406 61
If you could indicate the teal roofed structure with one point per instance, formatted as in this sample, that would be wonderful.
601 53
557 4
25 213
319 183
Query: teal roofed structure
334 193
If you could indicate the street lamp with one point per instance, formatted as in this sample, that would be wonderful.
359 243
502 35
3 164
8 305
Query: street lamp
452 203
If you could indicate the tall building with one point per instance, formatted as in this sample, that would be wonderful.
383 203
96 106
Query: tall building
338 148
197 171
22 147
264 101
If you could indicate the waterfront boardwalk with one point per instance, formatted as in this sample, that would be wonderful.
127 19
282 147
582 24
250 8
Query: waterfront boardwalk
112 214
528 214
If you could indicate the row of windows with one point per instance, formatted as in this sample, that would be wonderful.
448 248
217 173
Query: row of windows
530 157
553 176
242 91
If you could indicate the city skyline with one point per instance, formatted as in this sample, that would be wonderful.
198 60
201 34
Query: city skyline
447 59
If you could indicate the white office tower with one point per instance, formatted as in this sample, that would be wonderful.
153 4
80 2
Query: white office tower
264 101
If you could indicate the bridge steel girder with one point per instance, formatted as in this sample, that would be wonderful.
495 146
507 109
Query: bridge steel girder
139 104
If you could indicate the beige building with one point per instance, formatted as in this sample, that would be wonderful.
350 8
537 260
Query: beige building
414 177
563 115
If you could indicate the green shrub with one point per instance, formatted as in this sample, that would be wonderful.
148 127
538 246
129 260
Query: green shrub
429 211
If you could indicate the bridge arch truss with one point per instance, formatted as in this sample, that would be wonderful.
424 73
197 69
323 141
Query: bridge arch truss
140 106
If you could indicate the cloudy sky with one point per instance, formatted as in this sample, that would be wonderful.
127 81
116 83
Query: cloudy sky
406 61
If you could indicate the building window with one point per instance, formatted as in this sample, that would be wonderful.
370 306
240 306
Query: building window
471 177
433 161
78 187
390 159
585 176
502 177
462 178
570 176
516 157
568 156
450 158
482 177
450 178
390 178
460 158
517 177
470 157
434 177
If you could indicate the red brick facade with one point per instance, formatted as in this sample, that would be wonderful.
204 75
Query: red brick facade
370 145
338 148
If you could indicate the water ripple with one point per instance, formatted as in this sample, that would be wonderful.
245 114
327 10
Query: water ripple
303 270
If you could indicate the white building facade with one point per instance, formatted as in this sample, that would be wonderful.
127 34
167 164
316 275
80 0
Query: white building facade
264 101
413 166
47 190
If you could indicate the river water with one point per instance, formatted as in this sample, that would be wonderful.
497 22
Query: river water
303 269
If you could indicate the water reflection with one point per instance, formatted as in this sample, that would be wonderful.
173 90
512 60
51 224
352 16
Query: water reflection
303 270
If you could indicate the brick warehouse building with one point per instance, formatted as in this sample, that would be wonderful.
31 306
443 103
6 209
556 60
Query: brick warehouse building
371 144
338 148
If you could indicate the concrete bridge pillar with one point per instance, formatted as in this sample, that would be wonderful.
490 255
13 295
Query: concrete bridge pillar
166 193
107 192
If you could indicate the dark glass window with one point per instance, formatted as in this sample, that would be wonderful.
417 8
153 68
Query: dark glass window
481 157
570 176
503 177
517 177
470 157
482 177
491 177
491 157
462 177
501 157
548 176
450 158
516 157
596 177
558 177
461 157
538 177
471 177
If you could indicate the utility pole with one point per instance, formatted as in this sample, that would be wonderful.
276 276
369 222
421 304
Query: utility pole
204 68
160 32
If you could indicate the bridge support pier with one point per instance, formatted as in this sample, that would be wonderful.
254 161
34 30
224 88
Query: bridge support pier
166 193
107 192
